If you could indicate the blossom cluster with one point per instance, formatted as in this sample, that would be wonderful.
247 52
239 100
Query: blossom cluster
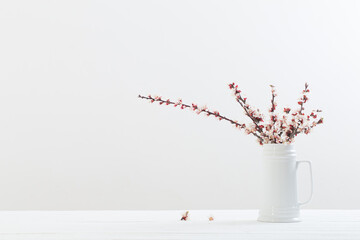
280 128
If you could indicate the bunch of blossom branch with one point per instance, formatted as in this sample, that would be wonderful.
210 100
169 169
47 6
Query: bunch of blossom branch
279 129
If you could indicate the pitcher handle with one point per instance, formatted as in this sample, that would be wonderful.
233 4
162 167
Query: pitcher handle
311 180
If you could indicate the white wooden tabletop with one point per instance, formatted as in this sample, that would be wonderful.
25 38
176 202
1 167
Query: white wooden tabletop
227 224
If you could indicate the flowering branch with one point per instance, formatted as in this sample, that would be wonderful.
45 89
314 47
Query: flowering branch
300 113
255 116
279 129
273 103
196 109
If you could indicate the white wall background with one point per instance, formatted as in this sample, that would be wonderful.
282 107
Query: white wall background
74 135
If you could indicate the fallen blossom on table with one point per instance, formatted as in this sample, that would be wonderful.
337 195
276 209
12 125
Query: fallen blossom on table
185 216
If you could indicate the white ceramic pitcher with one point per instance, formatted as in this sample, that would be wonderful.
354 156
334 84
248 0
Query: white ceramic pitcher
279 186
